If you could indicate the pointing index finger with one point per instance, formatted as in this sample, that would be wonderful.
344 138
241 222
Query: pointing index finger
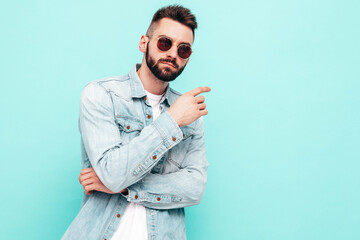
199 90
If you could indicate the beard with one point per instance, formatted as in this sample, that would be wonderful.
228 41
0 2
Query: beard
166 74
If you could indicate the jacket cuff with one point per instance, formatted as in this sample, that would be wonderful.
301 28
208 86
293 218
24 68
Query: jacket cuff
137 196
168 129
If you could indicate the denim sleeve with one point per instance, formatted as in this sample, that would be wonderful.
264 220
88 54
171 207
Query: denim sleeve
116 164
179 189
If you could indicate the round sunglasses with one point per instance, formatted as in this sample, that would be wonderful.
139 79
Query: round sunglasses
164 44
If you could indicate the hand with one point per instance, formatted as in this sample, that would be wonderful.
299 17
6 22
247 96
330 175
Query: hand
90 182
188 107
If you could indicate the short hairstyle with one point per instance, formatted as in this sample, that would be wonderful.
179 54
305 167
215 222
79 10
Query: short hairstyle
175 12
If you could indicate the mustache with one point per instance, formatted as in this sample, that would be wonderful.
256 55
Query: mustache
172 61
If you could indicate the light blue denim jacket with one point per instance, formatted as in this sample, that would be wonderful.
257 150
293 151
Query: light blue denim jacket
163 166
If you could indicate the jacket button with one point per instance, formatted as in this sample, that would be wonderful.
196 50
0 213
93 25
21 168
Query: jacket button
136 196
118 215
145 98
128 127
183 135
148 116
174 139
158 198
154 157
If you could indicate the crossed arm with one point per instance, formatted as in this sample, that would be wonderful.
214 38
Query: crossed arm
118 168
90 182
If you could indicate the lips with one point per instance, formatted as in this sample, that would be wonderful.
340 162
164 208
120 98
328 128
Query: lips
169 64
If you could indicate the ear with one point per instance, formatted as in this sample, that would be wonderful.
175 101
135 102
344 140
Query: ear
143 43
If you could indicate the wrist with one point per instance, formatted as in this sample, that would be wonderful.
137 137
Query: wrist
174 116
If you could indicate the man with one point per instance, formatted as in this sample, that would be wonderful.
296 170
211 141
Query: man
143 152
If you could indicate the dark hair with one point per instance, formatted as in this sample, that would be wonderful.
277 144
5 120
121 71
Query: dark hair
177 13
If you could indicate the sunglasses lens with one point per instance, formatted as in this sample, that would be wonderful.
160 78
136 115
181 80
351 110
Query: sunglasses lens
184 51
164 44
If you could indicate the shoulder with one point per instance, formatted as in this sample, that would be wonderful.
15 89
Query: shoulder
100 88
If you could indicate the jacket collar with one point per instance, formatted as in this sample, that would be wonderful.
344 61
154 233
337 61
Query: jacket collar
138 91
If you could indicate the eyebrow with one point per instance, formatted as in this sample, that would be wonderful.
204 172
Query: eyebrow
172 40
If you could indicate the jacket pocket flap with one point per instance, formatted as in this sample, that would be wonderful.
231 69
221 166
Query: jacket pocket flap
129 124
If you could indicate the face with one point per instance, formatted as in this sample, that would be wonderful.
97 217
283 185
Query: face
167 65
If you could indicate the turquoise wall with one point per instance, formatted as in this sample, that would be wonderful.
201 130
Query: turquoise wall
282 131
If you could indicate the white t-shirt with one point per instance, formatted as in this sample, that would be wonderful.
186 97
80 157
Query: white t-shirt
133 224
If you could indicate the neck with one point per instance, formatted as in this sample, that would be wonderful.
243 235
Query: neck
151 83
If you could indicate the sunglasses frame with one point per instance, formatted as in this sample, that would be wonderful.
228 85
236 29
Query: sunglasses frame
172 43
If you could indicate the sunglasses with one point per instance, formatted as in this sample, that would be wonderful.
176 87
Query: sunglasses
184 50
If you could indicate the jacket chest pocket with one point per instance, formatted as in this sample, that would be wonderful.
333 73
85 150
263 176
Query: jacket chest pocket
129 127
178 153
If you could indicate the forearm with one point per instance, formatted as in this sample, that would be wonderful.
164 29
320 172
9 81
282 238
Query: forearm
182 188
175 190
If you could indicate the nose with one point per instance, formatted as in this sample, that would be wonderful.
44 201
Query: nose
172 52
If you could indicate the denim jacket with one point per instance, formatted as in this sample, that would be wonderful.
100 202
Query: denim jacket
163 166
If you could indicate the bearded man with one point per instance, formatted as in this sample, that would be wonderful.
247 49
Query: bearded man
143 151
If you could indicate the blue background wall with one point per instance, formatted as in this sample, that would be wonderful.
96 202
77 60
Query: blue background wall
282 131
